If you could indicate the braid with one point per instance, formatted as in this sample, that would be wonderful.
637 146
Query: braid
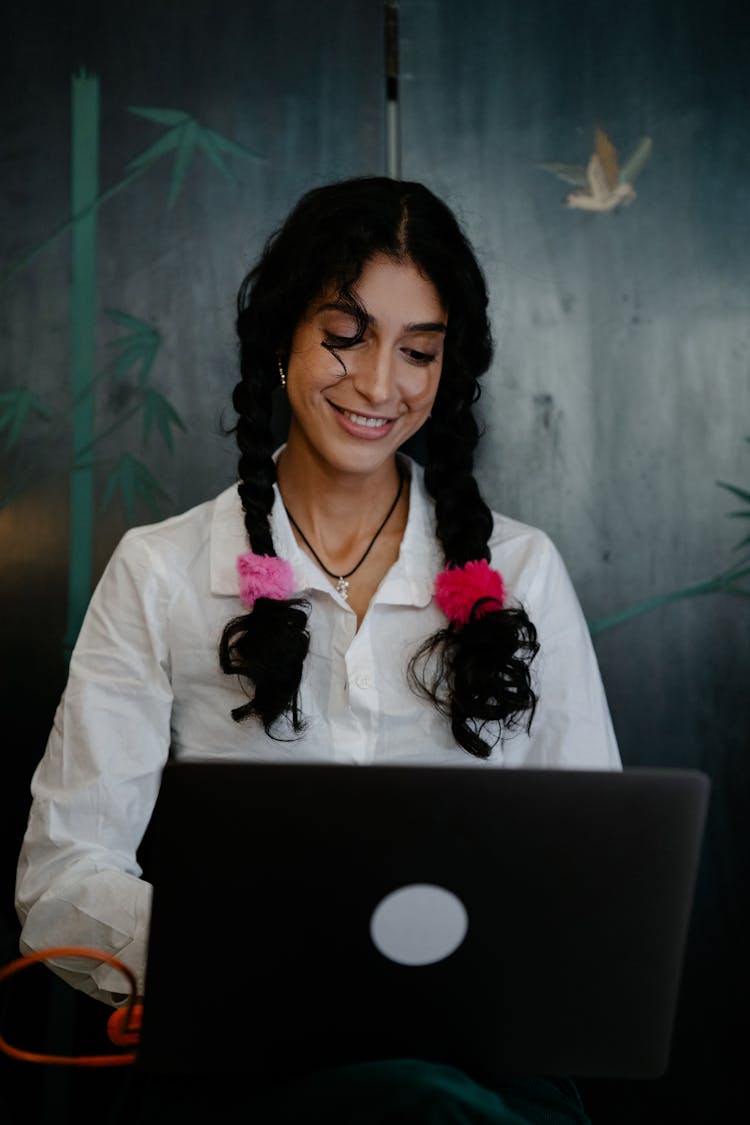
268 646
451 440
479 672
256 467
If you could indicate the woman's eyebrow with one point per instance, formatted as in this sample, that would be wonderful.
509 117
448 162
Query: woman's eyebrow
427 326
336 306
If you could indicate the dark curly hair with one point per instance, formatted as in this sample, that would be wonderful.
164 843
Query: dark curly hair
475 674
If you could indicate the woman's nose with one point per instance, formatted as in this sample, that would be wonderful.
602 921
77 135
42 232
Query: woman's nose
373 375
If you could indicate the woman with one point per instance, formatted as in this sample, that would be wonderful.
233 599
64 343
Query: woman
338 602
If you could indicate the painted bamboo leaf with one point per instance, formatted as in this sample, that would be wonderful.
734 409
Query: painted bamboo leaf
728 582
743 495
131 480
212 143
157 410
129 355
140 346
159 148
226 144
183 156
213 152
137 327
137 352
16 408
162 116
185 136
740 571
177 117
743 514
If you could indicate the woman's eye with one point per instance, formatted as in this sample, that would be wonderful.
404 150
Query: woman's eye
420 358
334 340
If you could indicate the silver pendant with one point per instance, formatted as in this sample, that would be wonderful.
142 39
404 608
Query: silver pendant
342 586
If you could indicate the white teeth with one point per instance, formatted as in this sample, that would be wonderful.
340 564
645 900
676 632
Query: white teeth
373 423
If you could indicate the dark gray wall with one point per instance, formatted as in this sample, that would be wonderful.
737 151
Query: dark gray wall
619 394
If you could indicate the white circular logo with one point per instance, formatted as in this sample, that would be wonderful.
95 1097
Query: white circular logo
418 924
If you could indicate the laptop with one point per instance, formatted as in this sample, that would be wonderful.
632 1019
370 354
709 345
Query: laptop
505 921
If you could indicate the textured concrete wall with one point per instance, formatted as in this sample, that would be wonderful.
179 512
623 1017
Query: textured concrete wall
620 392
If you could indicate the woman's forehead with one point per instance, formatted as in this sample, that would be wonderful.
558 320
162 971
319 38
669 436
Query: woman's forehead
384 283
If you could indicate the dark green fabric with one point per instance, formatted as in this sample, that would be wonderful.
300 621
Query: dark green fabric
393 1092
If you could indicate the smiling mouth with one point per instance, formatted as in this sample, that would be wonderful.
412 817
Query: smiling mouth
362 419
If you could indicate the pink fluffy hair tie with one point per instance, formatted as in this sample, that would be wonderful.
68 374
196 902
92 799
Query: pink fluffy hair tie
264 576
459 588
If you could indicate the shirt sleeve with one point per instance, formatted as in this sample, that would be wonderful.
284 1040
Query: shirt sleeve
93 792
572 726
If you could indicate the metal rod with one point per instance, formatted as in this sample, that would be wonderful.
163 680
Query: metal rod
392 123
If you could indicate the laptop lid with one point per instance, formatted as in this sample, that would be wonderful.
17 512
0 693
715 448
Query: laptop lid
503 921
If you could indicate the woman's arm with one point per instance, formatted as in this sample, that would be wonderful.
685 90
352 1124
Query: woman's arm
572 726
96 785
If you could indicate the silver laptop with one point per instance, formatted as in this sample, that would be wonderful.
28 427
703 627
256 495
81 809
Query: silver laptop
504 921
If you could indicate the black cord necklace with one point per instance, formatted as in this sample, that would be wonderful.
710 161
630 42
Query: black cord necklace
342 585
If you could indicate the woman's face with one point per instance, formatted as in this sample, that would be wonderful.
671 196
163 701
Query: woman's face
353 412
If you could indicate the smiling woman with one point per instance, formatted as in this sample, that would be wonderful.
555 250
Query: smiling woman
350 415
339 602
371 308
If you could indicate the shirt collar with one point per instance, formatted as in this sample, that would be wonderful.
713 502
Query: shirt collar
409 582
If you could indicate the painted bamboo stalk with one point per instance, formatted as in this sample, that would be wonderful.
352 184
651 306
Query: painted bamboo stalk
84 189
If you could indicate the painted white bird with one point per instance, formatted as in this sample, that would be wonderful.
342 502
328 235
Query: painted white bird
602 185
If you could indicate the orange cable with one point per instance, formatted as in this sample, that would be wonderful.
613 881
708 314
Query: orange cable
130 1012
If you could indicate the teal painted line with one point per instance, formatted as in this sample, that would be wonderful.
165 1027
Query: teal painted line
714 585
84 189
84 213
112 429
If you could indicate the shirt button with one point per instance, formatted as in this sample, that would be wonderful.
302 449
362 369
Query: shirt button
362 680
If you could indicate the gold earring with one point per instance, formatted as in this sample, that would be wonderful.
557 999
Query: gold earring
282 372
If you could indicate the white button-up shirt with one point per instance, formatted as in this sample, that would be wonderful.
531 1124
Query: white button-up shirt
145 681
